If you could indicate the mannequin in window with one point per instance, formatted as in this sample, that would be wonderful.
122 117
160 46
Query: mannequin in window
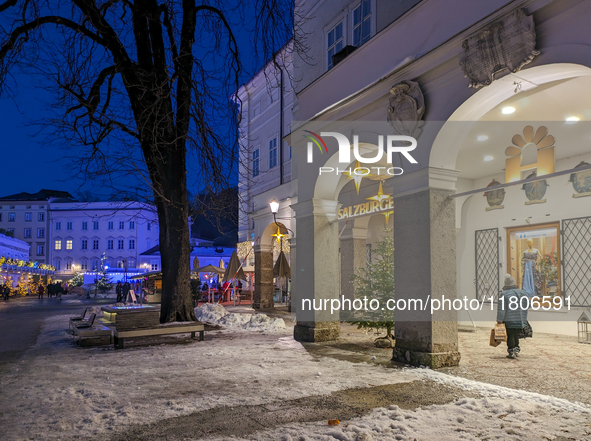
531 281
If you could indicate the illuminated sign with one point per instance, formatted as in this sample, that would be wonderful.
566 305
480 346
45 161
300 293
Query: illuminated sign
370 207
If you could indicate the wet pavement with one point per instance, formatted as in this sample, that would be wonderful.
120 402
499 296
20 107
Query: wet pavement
21 319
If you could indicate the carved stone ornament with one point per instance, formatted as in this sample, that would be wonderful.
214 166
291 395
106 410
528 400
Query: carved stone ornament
507 44
406 109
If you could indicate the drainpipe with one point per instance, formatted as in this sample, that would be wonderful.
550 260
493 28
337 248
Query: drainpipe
280 143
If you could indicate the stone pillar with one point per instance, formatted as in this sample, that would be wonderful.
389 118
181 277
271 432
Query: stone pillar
353 256
263 277
316 266
425 269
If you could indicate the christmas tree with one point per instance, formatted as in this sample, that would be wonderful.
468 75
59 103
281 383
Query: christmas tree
21 288
103 283
376 281
77 280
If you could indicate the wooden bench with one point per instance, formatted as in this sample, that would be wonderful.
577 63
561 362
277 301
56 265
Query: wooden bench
163 329
94 336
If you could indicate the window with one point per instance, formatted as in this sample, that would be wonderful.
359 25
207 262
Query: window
255 163
132 225
256 110
58 226
94 265
110 244
58 264
10 231
28 233
154 267
84 244
85 225
28 217
84 264
41 250
273 153
69 243
40 233
130 263
120 244
58 244
362 23
335 41
41 217
95 244
120 263
148 226
132 244
110 225
68 264
69 226
11 217
122 225
95 225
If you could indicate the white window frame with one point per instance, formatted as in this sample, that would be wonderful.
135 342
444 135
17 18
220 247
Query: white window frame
256 109
372 21
57 245
258 159
274 138
342 18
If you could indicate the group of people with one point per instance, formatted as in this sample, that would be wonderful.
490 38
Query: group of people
122 291
53 289
222 289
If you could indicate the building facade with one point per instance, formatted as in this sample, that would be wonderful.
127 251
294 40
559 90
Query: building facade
266 103
495 97
26 217
80 233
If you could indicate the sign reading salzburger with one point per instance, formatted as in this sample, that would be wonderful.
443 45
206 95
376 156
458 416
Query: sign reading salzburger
384 205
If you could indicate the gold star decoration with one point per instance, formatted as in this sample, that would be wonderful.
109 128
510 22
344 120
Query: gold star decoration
380 196
278 235
387 214
356 177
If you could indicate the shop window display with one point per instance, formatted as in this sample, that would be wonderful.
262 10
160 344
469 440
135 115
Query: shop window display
534 258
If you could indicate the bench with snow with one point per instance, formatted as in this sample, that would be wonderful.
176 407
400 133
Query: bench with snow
160 329
87 333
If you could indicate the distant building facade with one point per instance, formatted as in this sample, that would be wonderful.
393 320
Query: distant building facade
81 232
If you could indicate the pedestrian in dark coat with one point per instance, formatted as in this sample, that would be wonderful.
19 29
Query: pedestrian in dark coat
119 291
512 311
125 291
41 291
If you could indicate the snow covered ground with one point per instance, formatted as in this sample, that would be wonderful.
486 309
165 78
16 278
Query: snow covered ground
59 391
466 419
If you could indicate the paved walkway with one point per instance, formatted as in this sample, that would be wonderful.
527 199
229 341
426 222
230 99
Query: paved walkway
549 364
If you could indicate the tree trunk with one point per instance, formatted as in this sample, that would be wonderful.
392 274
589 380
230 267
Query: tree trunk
175 255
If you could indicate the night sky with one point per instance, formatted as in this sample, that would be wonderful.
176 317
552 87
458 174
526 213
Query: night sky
28 163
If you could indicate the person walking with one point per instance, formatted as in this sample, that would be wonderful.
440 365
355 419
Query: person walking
125 291
40 290
512 313
119 291
6 292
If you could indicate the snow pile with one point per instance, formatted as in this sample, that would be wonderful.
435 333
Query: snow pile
216 314
469 419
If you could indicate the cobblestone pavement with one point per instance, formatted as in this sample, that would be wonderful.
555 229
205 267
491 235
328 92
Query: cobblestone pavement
549 364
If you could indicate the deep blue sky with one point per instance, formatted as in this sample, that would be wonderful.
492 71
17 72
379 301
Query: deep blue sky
30 165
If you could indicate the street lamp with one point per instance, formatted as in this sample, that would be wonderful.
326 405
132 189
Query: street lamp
274 205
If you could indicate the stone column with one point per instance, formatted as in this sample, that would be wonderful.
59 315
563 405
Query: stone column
353 256
425 269
263 277
316 266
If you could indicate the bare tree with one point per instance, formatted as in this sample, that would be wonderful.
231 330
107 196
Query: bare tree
139 85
